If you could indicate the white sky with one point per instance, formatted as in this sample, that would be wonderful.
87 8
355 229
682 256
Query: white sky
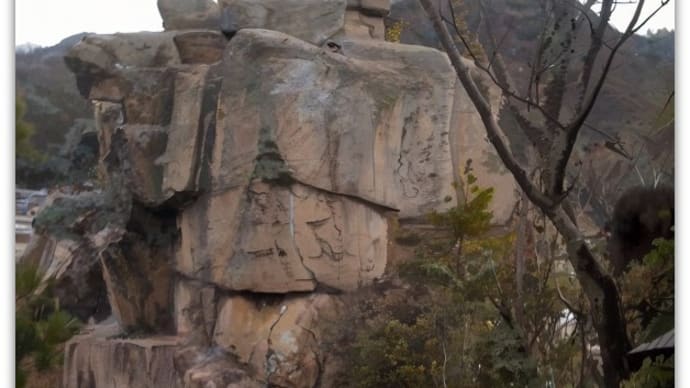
664 18
47 22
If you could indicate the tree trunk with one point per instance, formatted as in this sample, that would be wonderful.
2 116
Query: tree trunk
598 286
604 300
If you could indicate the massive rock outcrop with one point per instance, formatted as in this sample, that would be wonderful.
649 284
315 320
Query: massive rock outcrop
256 152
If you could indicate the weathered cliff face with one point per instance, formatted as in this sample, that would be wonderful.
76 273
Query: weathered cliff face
254 152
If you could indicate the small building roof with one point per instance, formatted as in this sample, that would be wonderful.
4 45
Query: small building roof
664 341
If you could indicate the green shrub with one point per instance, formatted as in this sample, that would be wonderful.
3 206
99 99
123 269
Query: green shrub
40 325
657 373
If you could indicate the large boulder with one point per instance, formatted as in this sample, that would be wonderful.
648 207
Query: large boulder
71 266
278 339
163 114
70 234
99 359
139 288
371 7
374 129
137 147
92 245
311 20
276 238
200 46
189 14
195 310
185 160
361 25
285 117
211 367
98 60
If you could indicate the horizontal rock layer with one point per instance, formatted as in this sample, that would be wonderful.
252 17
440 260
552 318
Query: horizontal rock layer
258 162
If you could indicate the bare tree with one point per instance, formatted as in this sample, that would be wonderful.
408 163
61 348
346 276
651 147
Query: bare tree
554 131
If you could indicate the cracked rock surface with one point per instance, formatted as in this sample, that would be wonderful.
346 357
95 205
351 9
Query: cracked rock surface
253 155
279 239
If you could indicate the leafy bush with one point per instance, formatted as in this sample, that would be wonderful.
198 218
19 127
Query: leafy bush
445 332
647 292
657 373
395 354
468 317
394 31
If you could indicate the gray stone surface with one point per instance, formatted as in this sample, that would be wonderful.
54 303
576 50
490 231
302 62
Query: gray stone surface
372 122
311 20
97 359
189 14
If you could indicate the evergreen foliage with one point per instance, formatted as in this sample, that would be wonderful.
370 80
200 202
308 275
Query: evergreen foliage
23 133
657 373
465 321
455 330
41 327
647 292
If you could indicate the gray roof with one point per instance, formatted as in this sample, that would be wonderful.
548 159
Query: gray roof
662 342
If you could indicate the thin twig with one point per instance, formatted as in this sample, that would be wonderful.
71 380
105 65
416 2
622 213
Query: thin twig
565 301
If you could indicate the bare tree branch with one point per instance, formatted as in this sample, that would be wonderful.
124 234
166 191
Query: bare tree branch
594 49
500 76
555 90
599 287
573 129
567 303
484 110
584 11
662 5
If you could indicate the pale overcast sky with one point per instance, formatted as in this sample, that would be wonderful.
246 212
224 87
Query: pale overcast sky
47 22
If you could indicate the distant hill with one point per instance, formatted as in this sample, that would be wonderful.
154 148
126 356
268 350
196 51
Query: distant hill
58 114
50 91
639 84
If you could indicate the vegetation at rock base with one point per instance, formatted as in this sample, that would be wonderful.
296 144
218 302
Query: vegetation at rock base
41 327
469 316
452 330
469 220
657 373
